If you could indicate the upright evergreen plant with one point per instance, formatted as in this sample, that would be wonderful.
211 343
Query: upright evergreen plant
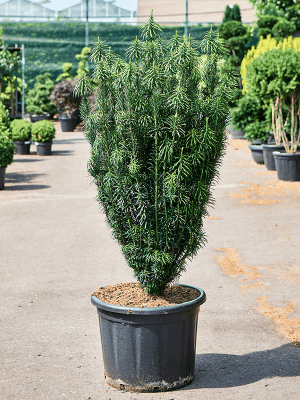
157 133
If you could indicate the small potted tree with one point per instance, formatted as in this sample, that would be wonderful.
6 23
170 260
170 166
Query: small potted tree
67 104
274 77
157 135
21 135
42 134
38 103
7 149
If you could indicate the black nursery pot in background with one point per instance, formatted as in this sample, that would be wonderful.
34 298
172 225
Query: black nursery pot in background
268 155
36 118
287 166
68 124
257 153
21 147
149 349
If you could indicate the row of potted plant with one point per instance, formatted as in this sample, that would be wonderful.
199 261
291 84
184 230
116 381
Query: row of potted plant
16 136
268 112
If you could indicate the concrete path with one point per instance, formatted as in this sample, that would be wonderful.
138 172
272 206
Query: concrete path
56 250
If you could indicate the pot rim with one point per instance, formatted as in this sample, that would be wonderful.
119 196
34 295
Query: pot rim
284 154
270 146
152 310
255 146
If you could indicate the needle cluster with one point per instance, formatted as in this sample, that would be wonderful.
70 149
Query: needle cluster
157 135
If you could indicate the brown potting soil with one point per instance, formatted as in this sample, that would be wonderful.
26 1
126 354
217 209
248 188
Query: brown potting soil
130 294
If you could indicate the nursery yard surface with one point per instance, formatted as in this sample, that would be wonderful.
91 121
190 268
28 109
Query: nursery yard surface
56 250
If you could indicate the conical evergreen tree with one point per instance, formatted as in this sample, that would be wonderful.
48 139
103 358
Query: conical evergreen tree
157 135
236 13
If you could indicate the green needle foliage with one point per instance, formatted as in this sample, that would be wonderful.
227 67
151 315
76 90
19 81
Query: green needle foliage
157 133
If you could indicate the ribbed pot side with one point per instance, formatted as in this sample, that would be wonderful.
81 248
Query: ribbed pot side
44 149
2 177
268 155
257 153
22 147
287 166
149 349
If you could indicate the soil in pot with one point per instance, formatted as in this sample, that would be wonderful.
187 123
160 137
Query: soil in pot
257 153
22 148
44 149
148 348
268 155
287 166
2 177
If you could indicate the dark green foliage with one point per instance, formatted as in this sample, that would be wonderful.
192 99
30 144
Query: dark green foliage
63 97
49 45
21 130
282 29
232 13
236 38
249 116
236 13
7 149
265 25
157 135
38 98
4 121
289 9
227 14
43 131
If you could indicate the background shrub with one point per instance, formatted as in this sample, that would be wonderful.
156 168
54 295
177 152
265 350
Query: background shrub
20 130
43 131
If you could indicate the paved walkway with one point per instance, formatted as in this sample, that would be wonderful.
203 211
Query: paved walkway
55 250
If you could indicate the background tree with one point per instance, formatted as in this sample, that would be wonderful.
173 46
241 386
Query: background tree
236 37
289 8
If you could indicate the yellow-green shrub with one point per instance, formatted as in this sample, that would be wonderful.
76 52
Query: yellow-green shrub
263 46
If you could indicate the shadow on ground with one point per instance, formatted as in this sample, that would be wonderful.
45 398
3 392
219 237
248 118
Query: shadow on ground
22 181
20 160
228 370
61 152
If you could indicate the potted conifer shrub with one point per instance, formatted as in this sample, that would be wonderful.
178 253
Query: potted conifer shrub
7 149
157 135
274 77
42 134
38 103
21 135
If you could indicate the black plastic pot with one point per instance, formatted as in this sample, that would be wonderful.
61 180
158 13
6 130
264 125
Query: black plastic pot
287 166
236 134
268 155
149 349
257 153
43 149
68 124
2 177
36 118
22 147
